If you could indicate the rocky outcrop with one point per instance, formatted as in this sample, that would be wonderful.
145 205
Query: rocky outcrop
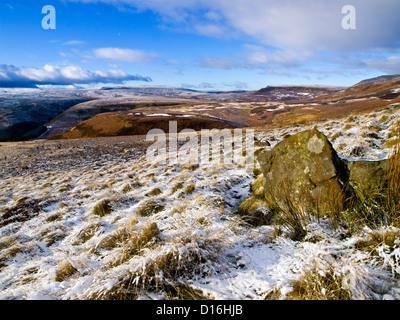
305 170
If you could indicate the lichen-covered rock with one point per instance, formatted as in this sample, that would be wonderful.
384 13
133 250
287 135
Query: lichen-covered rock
368 177
304 170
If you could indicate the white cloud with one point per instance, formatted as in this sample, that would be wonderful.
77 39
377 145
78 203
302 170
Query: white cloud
237 85
209 29
289 58
224 63
258 57
73 43
387 65
289 35
12 76
125 55
285 24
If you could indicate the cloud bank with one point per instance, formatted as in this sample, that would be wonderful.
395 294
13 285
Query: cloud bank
27 77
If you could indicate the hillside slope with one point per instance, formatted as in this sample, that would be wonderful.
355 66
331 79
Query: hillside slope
137 123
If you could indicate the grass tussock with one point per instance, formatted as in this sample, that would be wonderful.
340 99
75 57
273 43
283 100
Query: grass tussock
257 187
65 270
54 217
9 247
8 241
394 137
154 192
150 207
102 208
164 269
293 219
377 238
255 212
128 187
190 188
317 285
384 247
176 187
184 292
393 188
326 279
87 233
131 243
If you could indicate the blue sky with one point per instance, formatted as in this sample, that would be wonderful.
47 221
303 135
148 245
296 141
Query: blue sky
198 44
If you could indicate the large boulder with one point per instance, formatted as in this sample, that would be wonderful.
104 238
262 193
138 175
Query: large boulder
305 171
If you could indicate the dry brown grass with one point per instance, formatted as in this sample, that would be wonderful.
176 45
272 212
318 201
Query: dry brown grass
24 210
376 238
315 285
65 270
87 233
291 119
393 189
176 187
131 243
150 207
184 292
154 192
190 188
102 208
164 270
294 219
255 212
131 239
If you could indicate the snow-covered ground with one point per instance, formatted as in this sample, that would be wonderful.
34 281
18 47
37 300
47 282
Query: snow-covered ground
66 251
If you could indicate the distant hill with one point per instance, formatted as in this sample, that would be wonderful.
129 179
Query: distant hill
367 95
22 131
286 93
380 79
84 111
35 108
113 124
384 87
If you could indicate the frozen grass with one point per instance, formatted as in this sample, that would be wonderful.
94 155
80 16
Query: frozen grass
393 188
133 229
102 208
316 285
